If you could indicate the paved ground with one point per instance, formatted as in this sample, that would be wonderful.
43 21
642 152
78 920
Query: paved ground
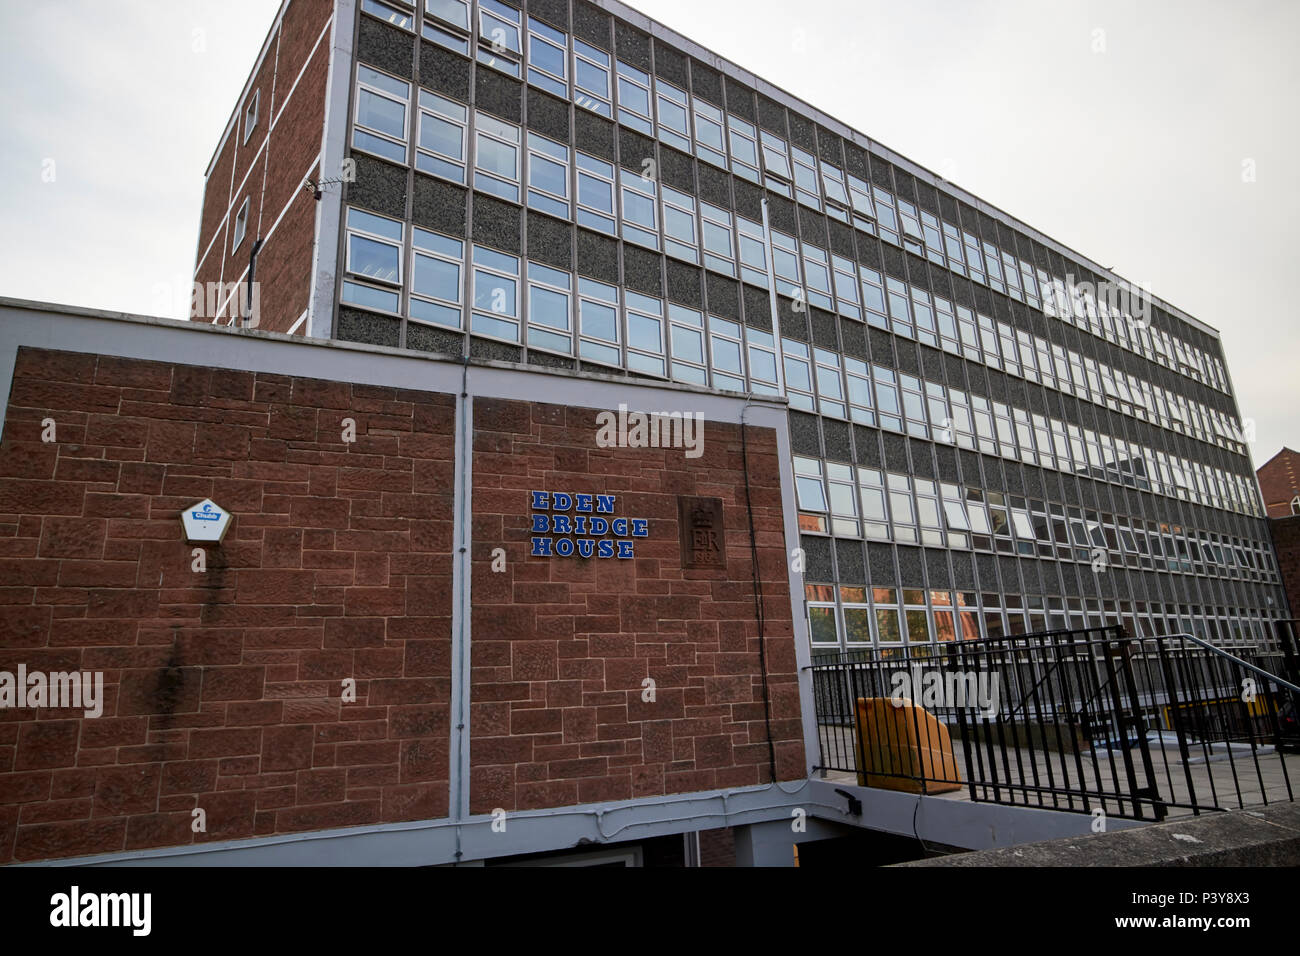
1218 775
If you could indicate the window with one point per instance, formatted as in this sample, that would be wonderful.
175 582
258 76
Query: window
496 294
591 78
887 398
686 334
843 499
830 385
886 220
549 298
548 58
914 611
753 252
889 629
548 176
821 614
871 490
250 114
857 615
924 316
598 337
715 227
807 187
947 326
994 268
847 296
455 12
679 225
640 216
379 125
436 278
709 144
798 374
496 158
674 120
837 197
764 375
595 194
776 163
634 98
499 36
899 313
864 214
955 516
440 149
873 294
817 276
913 405
933 241
726 355
744 148
902 512
911 227
785 265
373 253
927 512
241 225
811 494
973 258
405 19
645 333
936 400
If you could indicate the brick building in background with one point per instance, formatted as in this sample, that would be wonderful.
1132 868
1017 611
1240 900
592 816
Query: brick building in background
1279 483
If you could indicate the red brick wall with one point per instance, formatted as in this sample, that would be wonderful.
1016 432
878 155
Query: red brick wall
1279 482
561 645
275 176
1286 539
223 689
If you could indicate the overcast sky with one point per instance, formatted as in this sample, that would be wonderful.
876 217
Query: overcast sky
1157 137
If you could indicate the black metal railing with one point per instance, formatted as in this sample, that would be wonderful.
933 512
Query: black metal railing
1078 720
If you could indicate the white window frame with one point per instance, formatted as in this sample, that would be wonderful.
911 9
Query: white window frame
440 108
253 107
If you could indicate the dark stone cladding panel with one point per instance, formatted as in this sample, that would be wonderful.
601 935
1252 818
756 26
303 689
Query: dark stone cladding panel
986 569
794 325
850 562
803 132
548 115
368 328
724 296
758 307
676 169
715 185
781 213
855 160
749 200
494 351
842 240
425 338
643 270
947 460
380 187
824 329
546 360
592 24
740 99
936 569
685 283
880 559
911 567
597 256
866 446
496 224
550 241
922 460
499 95
818 565
634 150
595 135
671 65
771 116
386 48
554 12
631 45
835 435
896 453
706 83
805 435
438 205
812 226
444 71
963 571
853 340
